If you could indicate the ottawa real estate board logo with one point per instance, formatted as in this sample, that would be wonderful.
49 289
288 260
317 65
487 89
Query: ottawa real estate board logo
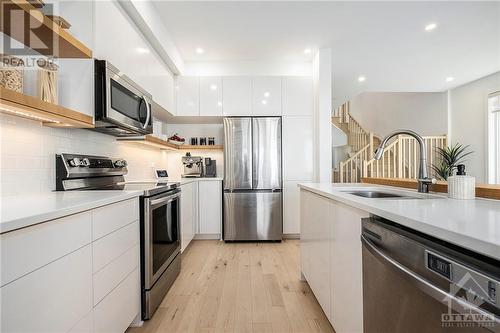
464 300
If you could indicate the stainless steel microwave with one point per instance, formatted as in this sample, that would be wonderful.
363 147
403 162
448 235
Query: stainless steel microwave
122 107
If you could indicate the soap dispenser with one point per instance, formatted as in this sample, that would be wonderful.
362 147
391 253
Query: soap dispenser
461 186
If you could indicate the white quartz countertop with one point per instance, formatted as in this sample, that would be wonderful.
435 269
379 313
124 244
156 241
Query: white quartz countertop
194 179
472 224
22 211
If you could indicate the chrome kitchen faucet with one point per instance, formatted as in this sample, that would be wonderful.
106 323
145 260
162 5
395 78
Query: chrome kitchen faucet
423 176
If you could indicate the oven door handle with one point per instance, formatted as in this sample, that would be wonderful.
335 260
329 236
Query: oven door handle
164 200
457 304
148 114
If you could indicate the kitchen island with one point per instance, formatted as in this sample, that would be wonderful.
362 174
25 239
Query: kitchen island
331 250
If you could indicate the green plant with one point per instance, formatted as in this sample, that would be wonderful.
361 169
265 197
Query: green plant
451 156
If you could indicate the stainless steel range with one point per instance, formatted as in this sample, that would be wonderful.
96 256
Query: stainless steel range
160 218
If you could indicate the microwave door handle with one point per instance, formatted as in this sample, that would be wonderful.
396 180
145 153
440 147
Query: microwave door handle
148 113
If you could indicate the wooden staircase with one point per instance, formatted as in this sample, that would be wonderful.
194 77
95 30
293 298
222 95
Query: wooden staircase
400 158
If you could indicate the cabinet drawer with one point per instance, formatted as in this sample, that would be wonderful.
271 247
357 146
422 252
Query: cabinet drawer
113 245
54 298
85 325
111 275
25 250
112 217
118 309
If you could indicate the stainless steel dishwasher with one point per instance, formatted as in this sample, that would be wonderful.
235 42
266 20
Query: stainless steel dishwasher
416 283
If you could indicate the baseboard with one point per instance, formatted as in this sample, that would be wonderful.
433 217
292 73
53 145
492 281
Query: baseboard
291 236
207 236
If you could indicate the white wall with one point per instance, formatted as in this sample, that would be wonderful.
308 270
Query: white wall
27 154
385 112
339 146
468 120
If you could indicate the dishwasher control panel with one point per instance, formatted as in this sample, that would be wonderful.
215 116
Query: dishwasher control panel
439 265
460 276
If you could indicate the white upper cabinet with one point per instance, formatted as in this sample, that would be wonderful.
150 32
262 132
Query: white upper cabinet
113 29
297 96
266 96
188 96
237 96
211 96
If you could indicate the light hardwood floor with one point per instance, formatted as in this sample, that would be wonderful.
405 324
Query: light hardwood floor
239 287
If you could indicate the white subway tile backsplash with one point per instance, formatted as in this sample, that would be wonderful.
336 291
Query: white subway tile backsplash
27 154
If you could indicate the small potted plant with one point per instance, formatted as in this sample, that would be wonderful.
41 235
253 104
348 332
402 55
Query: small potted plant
450 157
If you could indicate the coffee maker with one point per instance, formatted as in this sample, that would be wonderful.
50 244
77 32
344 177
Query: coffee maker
210 167
193 166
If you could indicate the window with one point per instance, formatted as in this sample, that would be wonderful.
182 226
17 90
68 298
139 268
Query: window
494 138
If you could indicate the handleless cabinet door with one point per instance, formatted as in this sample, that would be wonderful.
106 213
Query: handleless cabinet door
266 96
210 207
237 96
187 214
267 153
297 96
238 153
210 96
188 96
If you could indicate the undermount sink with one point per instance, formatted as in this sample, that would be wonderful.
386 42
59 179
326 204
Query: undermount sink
380 195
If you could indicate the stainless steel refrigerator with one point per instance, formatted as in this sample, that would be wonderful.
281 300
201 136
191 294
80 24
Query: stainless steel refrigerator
252 179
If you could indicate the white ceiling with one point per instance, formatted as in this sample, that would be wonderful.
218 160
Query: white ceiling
383 41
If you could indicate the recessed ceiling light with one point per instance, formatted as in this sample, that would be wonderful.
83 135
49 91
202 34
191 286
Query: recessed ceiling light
361 79
213 86
142 50
267 94
430 26
264 102
307 51
450 78
199 50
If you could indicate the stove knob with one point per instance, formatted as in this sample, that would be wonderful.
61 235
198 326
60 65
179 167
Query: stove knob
120 164
75 162
85 162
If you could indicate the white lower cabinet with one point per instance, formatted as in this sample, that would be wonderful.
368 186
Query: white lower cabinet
201 210
71 284
119 308
346 268
189 215
316 234
331 258
51 299
210 208
291 207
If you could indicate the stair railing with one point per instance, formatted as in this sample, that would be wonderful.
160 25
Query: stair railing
350 171
357 137
401 158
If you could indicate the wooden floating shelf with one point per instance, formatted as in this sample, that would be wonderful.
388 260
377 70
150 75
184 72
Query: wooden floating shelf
482 190
52 40
153 141
49 114
207 147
